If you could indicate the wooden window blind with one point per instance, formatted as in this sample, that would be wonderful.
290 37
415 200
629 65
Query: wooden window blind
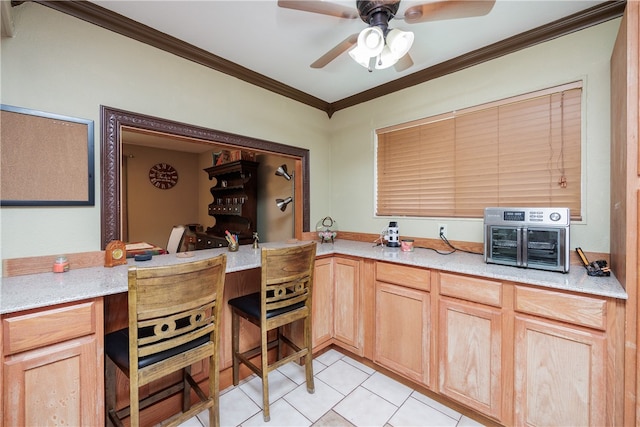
522 151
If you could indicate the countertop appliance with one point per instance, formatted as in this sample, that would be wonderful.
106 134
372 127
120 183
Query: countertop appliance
527 237
392 235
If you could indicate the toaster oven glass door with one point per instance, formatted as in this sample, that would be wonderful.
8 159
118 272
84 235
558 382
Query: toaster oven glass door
504 245
545 248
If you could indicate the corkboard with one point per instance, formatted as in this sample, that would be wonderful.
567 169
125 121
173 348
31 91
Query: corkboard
46 159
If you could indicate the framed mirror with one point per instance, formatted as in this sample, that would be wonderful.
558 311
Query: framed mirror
114 120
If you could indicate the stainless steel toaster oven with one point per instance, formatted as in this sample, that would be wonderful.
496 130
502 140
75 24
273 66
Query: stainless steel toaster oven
527 237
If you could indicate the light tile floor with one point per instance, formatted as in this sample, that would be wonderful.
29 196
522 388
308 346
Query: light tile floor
347 393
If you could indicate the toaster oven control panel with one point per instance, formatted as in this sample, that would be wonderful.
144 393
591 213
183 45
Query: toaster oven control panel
558 217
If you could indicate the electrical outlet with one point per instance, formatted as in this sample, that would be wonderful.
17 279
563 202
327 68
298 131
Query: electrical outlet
442 230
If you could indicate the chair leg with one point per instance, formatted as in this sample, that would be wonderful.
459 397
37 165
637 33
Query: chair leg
110 393
110 383
186 391
279 338
265 376
134 402
214 390
214 417
235 346
308 359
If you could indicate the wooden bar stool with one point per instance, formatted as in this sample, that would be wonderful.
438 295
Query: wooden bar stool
285 296
174 314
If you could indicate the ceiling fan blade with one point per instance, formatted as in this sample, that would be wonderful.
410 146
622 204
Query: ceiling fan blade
447 9
340 48
403 63
322 7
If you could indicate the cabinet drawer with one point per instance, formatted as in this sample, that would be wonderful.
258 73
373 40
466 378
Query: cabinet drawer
576 309
471 289
402 275
49 326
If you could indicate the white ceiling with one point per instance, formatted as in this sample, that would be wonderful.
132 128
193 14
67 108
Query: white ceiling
281 43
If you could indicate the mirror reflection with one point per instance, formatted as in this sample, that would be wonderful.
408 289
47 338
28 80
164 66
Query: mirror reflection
168 180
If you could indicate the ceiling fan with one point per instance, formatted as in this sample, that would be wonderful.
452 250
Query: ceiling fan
379 46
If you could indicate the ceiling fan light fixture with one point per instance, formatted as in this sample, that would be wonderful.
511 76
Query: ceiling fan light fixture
386 59
360 56
371 41
399 42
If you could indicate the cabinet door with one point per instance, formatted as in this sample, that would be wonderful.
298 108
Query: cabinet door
237 284
347 302
322 323
470 354
54 385
559 374
402 331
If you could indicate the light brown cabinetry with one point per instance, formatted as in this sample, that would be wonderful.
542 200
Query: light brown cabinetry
559 374
53 365
625 194
346 313
514 353
403 321
322 303
470 342
560 368
337 304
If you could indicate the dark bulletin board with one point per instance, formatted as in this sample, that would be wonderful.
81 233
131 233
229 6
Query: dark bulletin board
46 159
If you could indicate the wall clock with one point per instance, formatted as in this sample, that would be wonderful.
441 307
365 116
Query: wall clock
163 176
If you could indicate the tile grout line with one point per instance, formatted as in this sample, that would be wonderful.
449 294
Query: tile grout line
325 365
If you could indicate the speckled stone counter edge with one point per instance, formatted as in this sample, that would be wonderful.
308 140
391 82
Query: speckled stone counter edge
46 289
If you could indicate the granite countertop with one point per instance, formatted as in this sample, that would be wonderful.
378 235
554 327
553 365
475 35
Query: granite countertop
576 280
45 289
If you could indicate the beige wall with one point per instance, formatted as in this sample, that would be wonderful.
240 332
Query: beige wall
273 224
60 64
580 56
153 211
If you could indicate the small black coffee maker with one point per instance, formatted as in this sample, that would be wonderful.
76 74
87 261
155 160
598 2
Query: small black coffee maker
393 235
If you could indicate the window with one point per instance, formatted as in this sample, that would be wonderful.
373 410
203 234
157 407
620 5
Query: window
522 151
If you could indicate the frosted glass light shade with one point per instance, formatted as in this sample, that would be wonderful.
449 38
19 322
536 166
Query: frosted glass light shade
386 59
360 56
399 42
371 41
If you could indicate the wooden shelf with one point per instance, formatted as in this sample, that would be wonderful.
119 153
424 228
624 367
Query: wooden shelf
235 199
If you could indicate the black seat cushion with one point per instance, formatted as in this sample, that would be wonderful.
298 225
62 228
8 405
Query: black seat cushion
250 305
116 346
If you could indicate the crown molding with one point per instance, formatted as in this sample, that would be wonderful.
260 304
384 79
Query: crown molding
112 21
127 27
576 22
